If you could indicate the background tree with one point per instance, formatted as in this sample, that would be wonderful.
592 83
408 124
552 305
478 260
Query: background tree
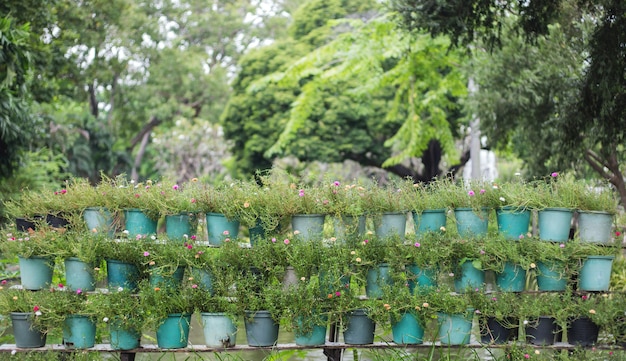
585 123
352 88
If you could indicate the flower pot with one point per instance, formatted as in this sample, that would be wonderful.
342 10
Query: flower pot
36 272
550 277
79 275
308 226
582 332
454 329
138 223
220 228
56 221
513 222
123 338
203 279
421 278
177 226
348 227
257 233
330 283
261 329
289 278
512 278
595 227
122 274
471 223
554 224
79 332
542 331
26 336
471 277
377 278
313 337
100 220
493 331
164 277
407 330
359 328
595 274
220 331
429 220
173 332
391 224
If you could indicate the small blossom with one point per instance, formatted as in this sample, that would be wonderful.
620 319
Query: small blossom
146 254
105 320
227 240
477 312
387 306
537 352
332 239
61 285
296 232
525 322
442 229
502 199
554 174
194 179
593 312
273 240
562 245
366 241
137 195
470 193
301 193
246 204
521 236
190 279
138 237
584 297
330 295
618 233
194 286
189 246
38 313
14 298
153 237
126 231
358 259
336 183
36 308
4 282
175 187
226 233
451 274
286 241
417 244
151 263
63 191
481 252
532 265
193 238
337 294
302 279
482 191
425 304
353 252
157 289
79 291
13 352
526 355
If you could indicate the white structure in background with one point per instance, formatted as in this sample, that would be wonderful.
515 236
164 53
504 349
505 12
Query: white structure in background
488 169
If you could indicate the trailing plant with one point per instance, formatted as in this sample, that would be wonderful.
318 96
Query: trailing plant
158 303
119 307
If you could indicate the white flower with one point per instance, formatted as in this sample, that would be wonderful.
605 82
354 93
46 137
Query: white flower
106 319
502 199
126 231
38 313
526 322
120 289
153 237
13 352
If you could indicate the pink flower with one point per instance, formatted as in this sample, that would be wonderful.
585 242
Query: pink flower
584 297
301 192
4 282
526 355
482 252
189 246
227 240
136 195
470 193
193 238
482 191
79 291
618 233
273 240
226 233
336 183
193 200
286 241
61 285
562 245
366 241
554 175
521 236
194 286
175 187
36 308
63 191
494 299
417 244
146 254
337 294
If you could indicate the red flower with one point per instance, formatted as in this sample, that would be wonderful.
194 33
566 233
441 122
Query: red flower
36 308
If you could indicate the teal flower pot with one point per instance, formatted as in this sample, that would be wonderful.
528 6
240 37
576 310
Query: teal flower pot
220 331
36 272
314 337
469 223
308 226
257 233
261 329
166 277
391 224
122 274
122 338
421 278
203 278
377 278
554 224
349 227
429 220
79 332
595 227
220 228
26 336
550 277
79 275
99 219
513 222
512 278
595 274
455 329
359 328
177 226
174 331
471 278
138 223
407 330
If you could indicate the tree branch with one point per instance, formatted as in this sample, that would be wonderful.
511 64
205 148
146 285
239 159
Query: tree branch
147 129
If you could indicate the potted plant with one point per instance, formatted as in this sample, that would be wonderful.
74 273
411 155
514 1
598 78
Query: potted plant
164 260
467 263
337 267
122 313
513 210
167 311
385 204
218 318
588 313
497 316
428 204
308 207
557 198
455 314
472 202
551 262
82 255
346 206
263 309
139 202
72 310
510 261
124 261
594 264
597 206
36 252
371 262
24 309
179 205
308 319
542 317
